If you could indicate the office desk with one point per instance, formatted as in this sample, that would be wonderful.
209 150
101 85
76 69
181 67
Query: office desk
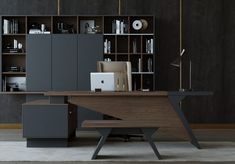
161 108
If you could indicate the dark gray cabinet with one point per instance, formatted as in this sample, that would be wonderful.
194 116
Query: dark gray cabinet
38 62
46 124
64 62
90 50
1 55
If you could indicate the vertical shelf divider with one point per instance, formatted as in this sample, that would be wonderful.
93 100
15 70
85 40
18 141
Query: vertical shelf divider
77 23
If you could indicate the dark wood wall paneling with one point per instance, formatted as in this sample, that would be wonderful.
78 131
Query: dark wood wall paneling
89 7
10 106
203 39
28 7
208 37
167 36
229 62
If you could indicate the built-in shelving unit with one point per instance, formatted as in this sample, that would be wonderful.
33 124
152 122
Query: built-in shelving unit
129 44
13 53
123 40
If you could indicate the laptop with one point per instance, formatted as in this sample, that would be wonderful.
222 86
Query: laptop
107 81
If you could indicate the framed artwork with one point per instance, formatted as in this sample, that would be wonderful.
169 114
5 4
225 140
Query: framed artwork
87 26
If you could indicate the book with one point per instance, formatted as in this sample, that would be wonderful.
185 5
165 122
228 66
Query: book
151 46
6 26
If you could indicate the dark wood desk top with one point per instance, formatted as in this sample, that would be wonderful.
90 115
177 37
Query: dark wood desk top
133 93
103 94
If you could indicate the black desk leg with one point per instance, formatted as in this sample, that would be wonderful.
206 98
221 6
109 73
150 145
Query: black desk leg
148 132
104 134
175 101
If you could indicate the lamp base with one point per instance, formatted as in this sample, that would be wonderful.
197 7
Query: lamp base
185 90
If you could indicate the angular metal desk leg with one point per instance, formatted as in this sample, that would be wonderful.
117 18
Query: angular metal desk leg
148 132
175 101
105 133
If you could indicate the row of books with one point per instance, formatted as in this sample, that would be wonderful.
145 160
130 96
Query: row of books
149 65
119 27
10 26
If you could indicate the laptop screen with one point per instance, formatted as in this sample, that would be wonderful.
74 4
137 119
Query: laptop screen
107 81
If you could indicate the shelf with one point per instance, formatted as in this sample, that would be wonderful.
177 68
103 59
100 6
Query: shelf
147 53
122 53
110 53
14 54
14 73
13 34
142 73
21 93
129 34
138 53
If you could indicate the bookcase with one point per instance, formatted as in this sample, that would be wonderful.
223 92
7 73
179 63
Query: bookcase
135 45
13 46
125 38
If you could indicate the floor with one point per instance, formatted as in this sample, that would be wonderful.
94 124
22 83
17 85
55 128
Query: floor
14 151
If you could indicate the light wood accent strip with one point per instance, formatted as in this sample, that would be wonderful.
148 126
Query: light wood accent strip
213 126
11 126
124 124
21 93
110 94
193 126
38 102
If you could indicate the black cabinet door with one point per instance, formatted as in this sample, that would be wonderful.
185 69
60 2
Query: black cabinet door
38 62
64 62
90 50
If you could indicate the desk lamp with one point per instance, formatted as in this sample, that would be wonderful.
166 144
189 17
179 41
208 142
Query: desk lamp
176 63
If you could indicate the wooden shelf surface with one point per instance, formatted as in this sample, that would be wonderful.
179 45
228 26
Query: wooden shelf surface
13 54
128 34
14 73
23 34
20 93
143 73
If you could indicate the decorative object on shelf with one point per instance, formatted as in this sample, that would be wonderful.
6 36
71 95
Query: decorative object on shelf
140 65
141 24
36 28
64 28
43 28
88 27
14 84
20 46
134 47
107 46
149 46
150 65
14 47
14 68
107 59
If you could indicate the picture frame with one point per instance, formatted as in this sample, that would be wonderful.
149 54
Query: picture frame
87 26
